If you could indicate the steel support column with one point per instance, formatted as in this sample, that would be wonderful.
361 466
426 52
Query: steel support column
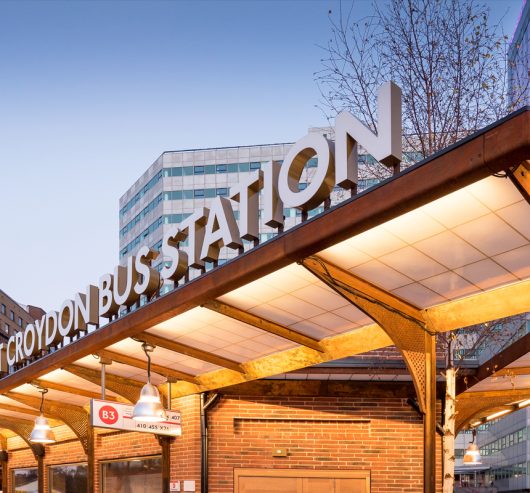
40 472
4 475
429 418
165 443
3 460
91 460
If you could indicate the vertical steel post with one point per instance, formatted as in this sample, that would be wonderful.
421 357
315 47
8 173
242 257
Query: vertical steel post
103 383
4 471
40 473
165 443
429 419
91 460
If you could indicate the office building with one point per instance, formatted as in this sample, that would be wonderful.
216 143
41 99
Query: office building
179 182
15 316
519 62
504 441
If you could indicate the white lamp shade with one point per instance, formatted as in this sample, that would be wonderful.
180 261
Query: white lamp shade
472 455
42 432
149 408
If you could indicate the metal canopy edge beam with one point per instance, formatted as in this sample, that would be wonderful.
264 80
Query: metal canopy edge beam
497 364
336 347
494 149
505 301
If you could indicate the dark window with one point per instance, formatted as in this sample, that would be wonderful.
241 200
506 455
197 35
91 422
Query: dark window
3 309
198 193
67 478
12 315
25 480
132 475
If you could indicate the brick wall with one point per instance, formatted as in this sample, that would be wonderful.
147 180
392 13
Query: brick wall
186 449
318 433
383 435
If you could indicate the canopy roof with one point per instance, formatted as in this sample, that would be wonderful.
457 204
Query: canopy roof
445 243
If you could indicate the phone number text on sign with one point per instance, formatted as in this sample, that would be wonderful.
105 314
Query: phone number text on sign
118 416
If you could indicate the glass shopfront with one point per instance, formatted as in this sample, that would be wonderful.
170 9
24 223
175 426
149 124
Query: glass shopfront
138 475
67 478
25 480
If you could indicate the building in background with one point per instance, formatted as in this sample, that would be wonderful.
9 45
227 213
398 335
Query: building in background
15 316
179 182
503 442
518 60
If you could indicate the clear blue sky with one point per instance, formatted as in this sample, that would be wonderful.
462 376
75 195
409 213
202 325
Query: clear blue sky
91 93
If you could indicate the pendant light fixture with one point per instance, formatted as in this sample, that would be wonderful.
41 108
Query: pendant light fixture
149 409
42 432
472 455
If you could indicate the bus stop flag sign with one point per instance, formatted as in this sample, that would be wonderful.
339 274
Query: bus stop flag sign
118 416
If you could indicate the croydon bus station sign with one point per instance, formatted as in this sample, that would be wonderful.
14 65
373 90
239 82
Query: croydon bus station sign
208 229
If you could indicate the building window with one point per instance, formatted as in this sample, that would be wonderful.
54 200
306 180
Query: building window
3 309
142 474
223 192
6 328
12 315
19 322
25 480
220 168
67 478
198 170
199 193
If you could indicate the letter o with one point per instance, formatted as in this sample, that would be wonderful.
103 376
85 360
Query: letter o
66 318
291 170
29 348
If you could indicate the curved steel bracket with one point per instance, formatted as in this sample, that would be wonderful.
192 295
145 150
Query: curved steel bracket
23 428
473 406
75 417
402 321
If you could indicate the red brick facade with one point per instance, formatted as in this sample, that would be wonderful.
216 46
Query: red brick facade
383 435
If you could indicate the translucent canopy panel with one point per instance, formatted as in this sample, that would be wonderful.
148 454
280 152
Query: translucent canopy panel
469 241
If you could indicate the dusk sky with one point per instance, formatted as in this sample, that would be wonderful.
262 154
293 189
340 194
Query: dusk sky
91 93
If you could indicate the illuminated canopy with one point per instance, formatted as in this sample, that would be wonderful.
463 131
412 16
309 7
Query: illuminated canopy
442 245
